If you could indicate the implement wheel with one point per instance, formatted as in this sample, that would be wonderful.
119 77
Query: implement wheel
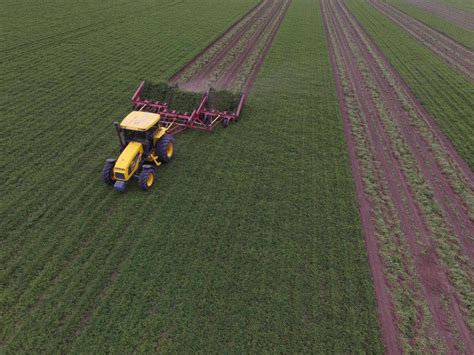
146 178
108 172
165 148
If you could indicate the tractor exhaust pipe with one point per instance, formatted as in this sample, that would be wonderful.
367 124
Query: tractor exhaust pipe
120 134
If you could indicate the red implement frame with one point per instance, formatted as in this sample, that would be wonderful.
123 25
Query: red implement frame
201 118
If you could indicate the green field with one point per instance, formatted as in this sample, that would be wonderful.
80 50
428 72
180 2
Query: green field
444 92
452 30
467 6
249 242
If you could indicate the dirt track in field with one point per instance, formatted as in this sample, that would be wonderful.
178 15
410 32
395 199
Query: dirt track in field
234 59
449 50
415 194
461 18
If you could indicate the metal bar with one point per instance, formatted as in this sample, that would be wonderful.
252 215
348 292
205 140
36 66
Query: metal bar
215 119
203 102
138 92
176 122
241 104
120 135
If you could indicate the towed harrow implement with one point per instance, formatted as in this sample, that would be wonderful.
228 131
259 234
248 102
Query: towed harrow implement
203 117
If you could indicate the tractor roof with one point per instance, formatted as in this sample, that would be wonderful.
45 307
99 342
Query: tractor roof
140 121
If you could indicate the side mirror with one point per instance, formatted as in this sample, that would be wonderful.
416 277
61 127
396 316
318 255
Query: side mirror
120 134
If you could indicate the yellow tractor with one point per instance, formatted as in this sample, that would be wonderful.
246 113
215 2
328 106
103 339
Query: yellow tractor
145 145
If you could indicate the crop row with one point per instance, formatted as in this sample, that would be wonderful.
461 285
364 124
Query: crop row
250 65
220 46
69 143
449 13
456 31
400 159
251 239
449 50
235 54
218 70
56 109
459 4
440 89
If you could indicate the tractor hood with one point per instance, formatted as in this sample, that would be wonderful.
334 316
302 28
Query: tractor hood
128 161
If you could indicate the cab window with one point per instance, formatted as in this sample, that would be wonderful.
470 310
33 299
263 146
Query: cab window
134 136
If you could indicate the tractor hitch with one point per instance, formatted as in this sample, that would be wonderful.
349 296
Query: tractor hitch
120 185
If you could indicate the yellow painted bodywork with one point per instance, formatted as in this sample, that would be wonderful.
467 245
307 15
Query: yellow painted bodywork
153 158
160 132
140 121
129 161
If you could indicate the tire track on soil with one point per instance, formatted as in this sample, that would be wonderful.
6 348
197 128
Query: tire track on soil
242 27
459 17
226 79
231 73
359 53
386 316
453 53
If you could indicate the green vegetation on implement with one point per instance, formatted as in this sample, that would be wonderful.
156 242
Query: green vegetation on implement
186 101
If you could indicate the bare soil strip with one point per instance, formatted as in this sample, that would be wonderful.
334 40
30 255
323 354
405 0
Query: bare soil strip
415 194
457 16
226 34
231 62
454 53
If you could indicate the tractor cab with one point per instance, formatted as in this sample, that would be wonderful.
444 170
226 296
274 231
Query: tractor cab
138 126
144 144
140 121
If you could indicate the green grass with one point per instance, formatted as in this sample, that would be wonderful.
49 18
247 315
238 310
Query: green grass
249 242
445 93
450 29
467 6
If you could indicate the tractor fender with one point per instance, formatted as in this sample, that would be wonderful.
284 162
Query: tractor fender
160 133
148 166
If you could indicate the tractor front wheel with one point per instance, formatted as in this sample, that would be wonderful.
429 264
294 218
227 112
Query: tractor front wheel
146 178
165 148
108 172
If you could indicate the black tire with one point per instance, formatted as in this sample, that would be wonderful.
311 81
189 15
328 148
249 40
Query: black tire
144 179
165 148
108 172
206 120
226 122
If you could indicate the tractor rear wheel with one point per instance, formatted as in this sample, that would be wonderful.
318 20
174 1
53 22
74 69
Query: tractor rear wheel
165 148
146 178
108 172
